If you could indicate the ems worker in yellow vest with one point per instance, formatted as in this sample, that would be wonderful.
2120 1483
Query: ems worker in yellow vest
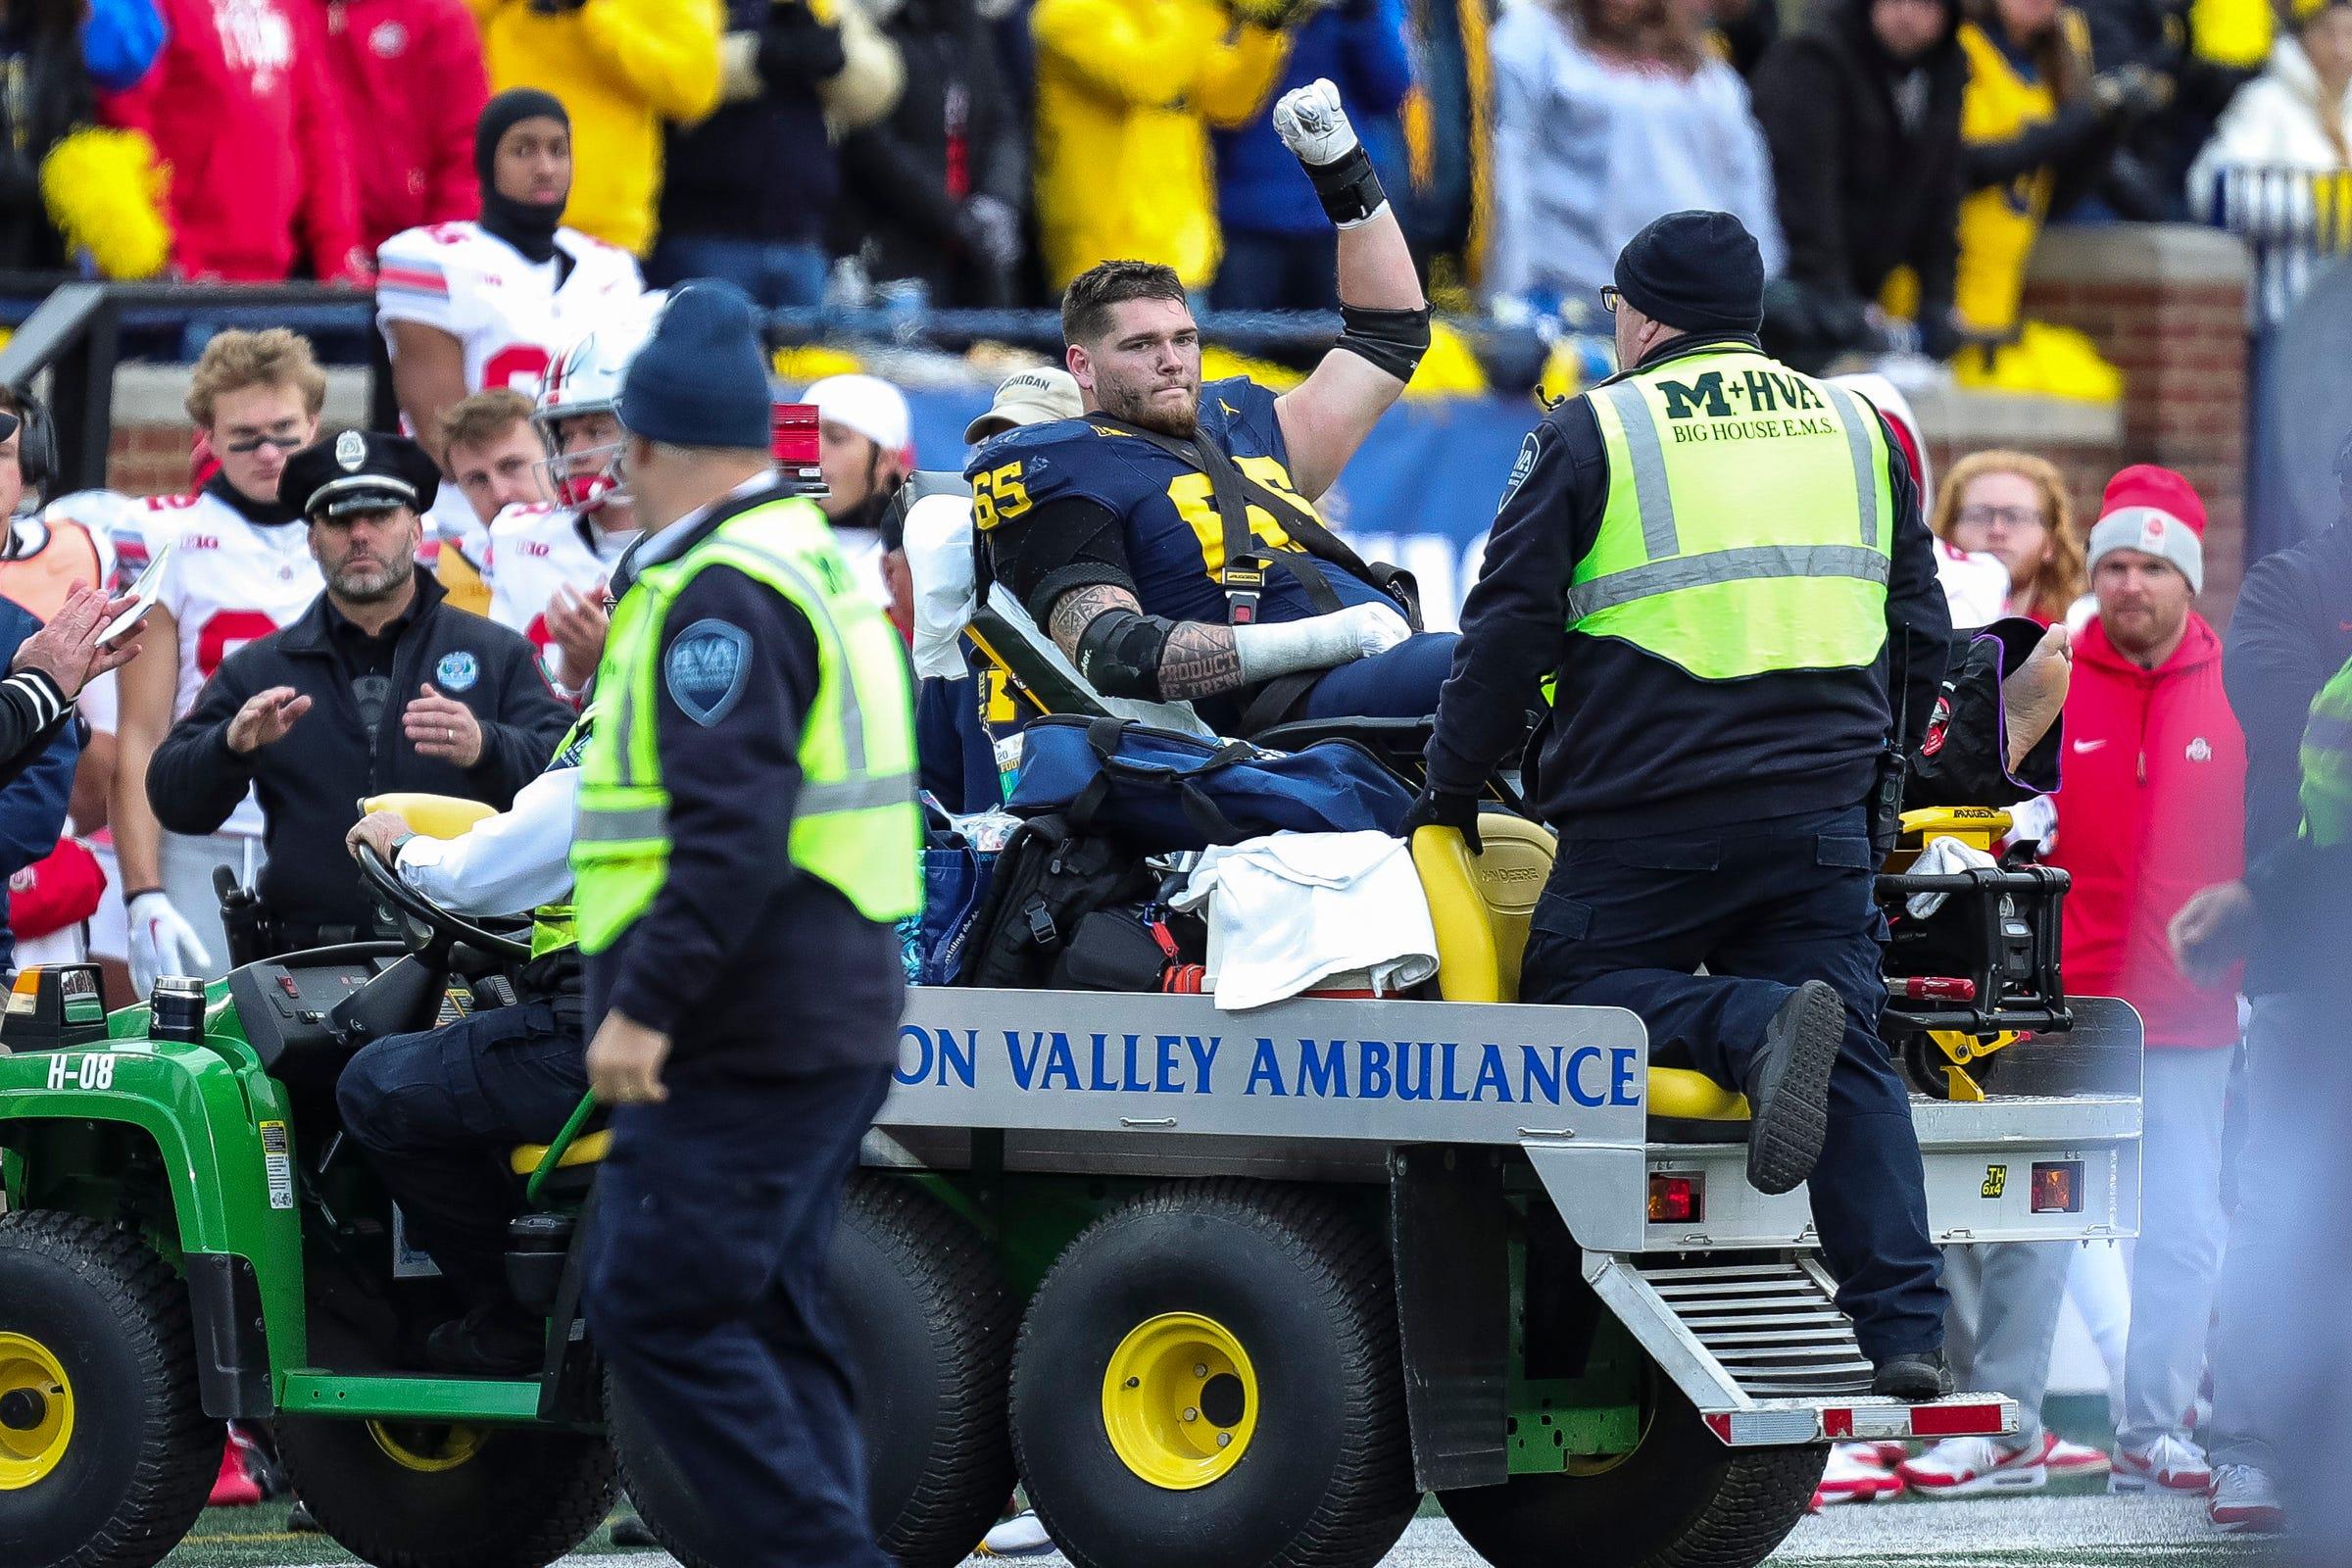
1725 565
747 838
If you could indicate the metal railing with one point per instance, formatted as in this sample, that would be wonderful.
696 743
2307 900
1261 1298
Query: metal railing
2292 220
75 334
76 331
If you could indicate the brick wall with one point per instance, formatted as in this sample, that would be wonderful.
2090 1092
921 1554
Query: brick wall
2167 304
2085 440
148 460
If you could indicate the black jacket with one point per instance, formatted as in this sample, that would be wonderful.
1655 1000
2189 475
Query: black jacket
761 168
954 123
45 93
753 968
1633 744
2289 634
1859 195
312 781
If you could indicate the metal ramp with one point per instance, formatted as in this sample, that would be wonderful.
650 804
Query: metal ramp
1761 1349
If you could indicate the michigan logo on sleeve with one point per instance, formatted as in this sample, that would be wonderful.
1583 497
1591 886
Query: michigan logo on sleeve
705 669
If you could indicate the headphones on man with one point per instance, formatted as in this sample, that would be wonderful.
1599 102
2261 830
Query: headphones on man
36 443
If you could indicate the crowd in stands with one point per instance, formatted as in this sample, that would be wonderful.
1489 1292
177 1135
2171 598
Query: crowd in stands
1897 159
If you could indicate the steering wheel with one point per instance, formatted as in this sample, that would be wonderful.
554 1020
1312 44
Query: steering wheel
443 928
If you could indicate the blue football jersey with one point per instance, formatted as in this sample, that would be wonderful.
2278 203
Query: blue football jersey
1175 540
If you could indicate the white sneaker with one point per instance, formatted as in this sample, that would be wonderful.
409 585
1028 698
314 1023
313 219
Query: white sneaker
2245 1502
2076 1459
1020 1536
2169 1464
1856 1475
1963 1467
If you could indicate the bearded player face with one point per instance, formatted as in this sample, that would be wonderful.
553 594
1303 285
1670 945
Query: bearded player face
1146 369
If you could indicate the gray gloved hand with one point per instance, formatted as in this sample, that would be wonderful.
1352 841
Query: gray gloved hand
990 232
2133 91
1313 123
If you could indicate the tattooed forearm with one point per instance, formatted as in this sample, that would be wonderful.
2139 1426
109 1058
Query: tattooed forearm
1076 611
1200 662
1197 660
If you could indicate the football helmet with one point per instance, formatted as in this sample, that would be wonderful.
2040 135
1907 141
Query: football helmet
585 379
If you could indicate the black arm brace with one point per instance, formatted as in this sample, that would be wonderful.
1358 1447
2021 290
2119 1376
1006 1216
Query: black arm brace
1119 653
1348 187
1393 340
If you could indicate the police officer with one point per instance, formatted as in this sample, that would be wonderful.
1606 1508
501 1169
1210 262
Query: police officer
1725 565
380 685
748 837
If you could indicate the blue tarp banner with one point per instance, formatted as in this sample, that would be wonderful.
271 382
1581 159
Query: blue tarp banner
1420 495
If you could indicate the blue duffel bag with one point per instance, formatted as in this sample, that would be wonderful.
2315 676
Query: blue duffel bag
1165 790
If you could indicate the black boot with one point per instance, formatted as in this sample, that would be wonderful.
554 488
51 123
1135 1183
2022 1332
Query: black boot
1788 1086
489 1340
1913 1379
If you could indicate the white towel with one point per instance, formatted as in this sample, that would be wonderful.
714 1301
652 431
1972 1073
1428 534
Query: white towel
1290 910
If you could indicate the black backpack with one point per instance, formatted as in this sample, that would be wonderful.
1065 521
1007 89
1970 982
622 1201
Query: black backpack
1048 878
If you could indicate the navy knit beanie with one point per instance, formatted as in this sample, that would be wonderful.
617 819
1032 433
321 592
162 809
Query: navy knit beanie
1696 272
701 379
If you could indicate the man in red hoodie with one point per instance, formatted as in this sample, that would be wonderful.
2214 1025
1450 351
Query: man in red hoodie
2150 811
2153 810
410 72
239 106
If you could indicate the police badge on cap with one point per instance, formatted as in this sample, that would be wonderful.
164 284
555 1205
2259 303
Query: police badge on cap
360 470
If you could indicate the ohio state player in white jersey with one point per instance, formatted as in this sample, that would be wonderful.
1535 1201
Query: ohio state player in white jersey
468 306
240 568
548 562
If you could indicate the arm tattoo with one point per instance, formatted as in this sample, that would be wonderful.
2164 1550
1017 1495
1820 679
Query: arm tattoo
1199 661
1076 611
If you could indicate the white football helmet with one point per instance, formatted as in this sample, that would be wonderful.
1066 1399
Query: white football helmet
585 378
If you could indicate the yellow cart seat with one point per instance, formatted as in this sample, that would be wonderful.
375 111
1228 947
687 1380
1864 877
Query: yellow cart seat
585 1150
432 816
1481 904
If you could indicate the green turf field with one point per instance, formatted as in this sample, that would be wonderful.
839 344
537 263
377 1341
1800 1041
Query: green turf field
2070 1525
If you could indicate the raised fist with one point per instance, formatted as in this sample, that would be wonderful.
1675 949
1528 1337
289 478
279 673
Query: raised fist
1312 124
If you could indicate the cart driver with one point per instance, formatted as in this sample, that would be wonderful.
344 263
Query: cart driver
1110 531
434 1112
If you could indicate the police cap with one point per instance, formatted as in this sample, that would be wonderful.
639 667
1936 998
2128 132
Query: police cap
359 470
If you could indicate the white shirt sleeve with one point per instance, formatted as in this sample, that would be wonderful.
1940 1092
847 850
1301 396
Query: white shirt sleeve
413 283
503 864
99 703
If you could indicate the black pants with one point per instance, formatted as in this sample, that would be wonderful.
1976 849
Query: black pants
706 1294
437 1114
1764 907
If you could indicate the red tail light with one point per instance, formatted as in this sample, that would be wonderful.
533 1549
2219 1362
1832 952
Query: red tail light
2058 1188
1677 1199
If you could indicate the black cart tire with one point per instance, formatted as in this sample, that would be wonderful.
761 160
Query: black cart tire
433 1495
106 1457
1681 1499
1210 1376
927 1327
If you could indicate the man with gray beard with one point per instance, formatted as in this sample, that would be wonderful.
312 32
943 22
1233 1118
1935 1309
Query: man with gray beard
379 686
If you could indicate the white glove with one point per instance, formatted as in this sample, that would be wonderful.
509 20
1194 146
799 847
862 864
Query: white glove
162 943
1319 642
1312 124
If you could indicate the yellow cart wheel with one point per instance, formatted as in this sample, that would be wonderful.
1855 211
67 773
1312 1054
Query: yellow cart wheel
1209 1375
104 1454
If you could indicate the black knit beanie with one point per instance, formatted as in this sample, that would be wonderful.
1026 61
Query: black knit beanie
1696 272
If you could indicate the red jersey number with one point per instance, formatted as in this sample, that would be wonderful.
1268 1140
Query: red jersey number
225 633
518 366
